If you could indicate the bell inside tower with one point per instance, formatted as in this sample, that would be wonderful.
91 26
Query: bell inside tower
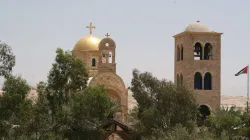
208 52
197 51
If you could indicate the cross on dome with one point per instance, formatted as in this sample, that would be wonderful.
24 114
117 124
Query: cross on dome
90 28
107 35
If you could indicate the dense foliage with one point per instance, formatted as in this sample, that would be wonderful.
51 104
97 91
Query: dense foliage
65 107
15 110
229 121
168 112
161 105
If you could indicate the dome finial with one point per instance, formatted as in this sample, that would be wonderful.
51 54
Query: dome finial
107 35
90 28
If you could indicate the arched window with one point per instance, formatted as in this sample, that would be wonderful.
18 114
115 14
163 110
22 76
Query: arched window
208 81
178 80
181 52
205 111
197 81
197 51
181 79
178 53
93 62
208 52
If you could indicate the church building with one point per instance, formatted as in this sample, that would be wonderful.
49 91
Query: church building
98 55
197 66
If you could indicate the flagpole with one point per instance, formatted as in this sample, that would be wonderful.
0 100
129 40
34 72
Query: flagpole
247 86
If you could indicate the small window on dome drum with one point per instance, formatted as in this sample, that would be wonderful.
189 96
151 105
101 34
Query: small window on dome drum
93 62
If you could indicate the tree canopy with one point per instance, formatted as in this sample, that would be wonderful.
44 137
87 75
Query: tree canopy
161 105
7 59
65 108
15 110
169 112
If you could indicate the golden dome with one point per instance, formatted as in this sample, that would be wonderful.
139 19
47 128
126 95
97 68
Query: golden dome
89 43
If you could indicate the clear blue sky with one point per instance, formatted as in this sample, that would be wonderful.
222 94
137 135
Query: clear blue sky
142 29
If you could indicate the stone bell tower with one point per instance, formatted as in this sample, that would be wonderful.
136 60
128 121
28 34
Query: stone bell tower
107 55
198 63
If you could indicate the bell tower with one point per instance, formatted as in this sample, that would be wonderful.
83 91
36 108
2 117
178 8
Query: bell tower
107 55
198 63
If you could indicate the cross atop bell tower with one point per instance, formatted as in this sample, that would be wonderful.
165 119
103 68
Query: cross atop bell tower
107 35
90 27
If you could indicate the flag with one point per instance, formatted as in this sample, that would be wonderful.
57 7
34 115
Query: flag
243 71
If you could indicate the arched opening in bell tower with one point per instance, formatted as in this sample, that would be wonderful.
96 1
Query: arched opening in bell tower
181 79
178 53
197 51
197 80
208 81
208 51
104 58
110 57
178 80
181 52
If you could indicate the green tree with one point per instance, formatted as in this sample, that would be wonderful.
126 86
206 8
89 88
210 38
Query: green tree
68 73
226 120
245 131
7 59
40 125
65 107
15 109
67 76
179 132
81 118
90 110
161 105
15 85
